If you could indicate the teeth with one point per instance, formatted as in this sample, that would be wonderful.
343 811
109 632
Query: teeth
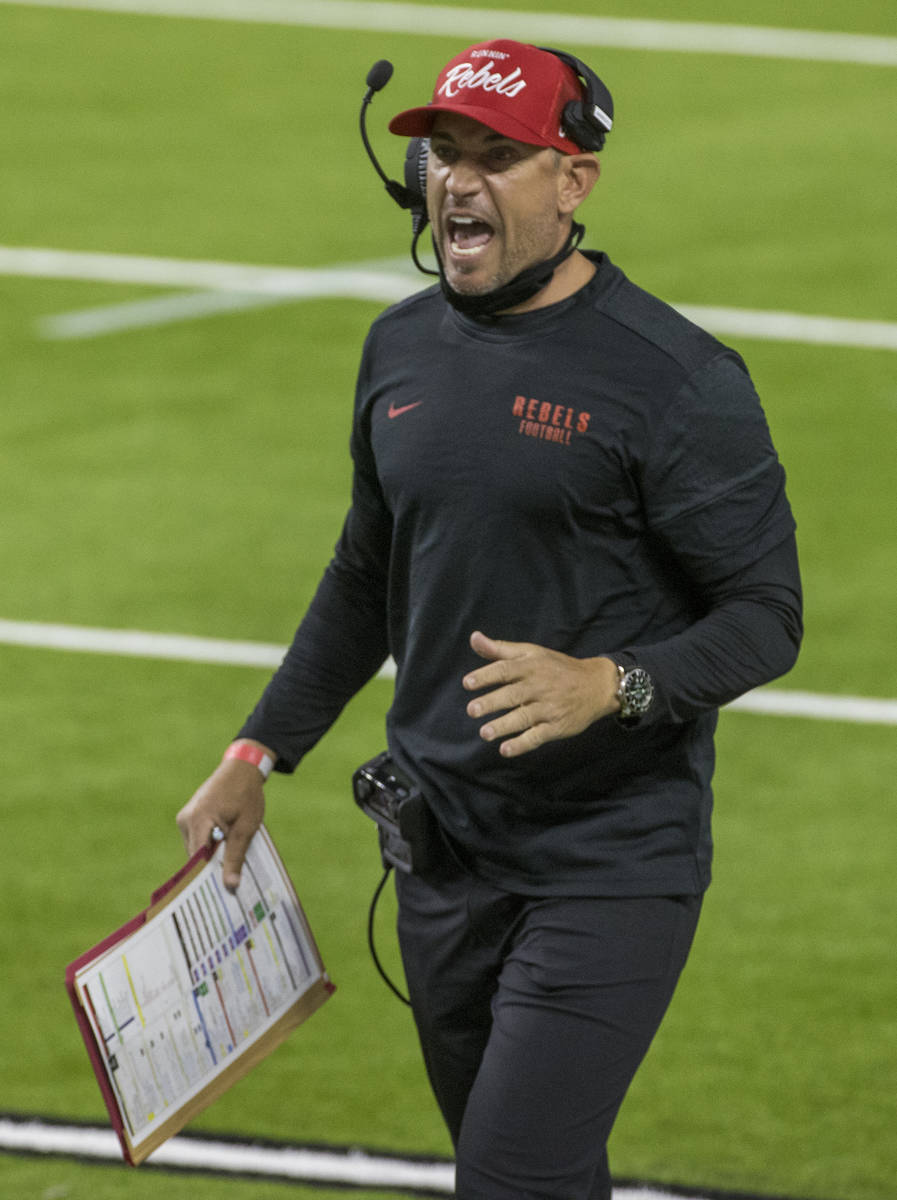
467 251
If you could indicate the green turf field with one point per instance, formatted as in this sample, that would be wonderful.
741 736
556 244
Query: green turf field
191 478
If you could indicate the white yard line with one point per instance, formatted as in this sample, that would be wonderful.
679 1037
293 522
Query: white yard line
41 263
818 706
133 643
221 652
229 287
295 1163
352 1167
482 23
145 314
243 285
168 310
768 325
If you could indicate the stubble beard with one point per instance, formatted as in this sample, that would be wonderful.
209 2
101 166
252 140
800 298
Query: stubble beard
540 243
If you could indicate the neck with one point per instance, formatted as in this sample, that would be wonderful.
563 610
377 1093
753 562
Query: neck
572 274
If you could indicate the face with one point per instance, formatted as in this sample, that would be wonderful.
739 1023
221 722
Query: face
495 204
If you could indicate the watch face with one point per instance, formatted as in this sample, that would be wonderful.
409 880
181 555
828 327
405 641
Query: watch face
638 692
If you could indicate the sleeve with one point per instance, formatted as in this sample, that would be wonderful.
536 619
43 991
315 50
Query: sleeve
342 640
751 634
714 493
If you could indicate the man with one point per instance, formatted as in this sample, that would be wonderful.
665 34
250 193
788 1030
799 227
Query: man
569 528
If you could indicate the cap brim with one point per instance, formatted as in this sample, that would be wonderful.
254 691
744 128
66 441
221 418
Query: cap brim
418 122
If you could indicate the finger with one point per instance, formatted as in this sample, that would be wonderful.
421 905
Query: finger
529 740
516 721
501 670
499 700
494 648
493 676
507 661
484 646
196 830
185 832
235 847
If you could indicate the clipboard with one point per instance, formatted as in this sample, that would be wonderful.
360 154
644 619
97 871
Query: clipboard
192 993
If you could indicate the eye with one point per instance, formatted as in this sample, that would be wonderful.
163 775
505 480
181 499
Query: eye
444 152
500 157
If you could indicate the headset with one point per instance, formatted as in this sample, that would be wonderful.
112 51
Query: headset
586 122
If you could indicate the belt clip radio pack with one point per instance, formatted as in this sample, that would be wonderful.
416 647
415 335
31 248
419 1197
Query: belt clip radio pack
408 839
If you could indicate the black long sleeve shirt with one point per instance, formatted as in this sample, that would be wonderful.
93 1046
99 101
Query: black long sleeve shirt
596 477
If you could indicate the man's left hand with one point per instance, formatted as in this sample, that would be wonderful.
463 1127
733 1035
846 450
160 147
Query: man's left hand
543 695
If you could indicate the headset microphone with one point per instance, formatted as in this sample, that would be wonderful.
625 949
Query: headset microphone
378 76
413 195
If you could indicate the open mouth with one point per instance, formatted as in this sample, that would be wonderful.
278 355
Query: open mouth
469 236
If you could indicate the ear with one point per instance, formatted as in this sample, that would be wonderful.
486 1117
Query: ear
577 176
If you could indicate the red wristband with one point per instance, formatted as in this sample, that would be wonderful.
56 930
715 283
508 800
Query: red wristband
252 754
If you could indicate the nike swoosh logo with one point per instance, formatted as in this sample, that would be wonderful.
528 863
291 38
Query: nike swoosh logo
397 412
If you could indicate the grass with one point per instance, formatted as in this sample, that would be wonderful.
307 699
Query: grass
34 1179
781 1021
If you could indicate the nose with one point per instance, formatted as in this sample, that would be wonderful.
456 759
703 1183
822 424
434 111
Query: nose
463 178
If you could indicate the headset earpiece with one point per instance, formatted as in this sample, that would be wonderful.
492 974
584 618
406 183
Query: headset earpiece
416 181
587 121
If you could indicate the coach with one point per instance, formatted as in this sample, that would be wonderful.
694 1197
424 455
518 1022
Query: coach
569 527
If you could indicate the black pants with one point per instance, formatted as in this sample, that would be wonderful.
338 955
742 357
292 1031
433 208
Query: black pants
533 1017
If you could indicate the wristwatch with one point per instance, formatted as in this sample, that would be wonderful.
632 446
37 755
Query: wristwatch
635 693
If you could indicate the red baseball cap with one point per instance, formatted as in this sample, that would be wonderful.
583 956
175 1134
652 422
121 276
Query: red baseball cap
513 88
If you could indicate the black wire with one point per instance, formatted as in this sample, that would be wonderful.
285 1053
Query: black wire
417 262
362 125
389 983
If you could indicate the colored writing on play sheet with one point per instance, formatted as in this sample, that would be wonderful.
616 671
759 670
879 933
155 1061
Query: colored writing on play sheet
196 985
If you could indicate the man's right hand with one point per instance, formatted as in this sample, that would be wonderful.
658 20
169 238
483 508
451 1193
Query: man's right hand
233 799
